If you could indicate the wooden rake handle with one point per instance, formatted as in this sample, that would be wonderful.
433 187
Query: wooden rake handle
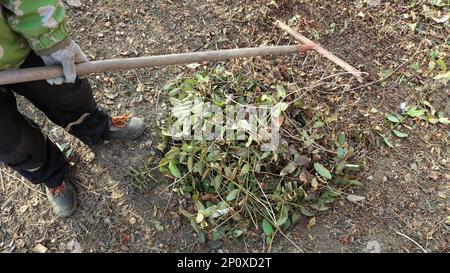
50 72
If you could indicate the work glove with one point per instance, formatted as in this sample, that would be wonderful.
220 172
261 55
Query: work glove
67 56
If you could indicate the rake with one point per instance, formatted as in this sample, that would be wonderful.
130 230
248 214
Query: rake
49 72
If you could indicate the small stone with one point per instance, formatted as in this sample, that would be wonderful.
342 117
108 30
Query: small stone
74 3
74 246
373 3
39 248
373 247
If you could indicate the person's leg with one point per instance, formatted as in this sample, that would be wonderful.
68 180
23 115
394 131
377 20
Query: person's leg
25 149
70 106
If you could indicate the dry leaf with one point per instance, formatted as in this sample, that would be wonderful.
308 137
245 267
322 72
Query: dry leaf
314 184
141 87
355 198
311 223
433 175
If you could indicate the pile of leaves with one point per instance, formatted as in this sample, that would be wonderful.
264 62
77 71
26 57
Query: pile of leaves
234 188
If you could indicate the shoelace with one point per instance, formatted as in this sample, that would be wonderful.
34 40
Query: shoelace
120 121
58 190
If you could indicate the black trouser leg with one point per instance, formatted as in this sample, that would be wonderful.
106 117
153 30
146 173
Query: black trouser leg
24 148
70 106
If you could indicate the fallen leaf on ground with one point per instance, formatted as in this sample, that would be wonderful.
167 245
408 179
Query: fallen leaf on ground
355 198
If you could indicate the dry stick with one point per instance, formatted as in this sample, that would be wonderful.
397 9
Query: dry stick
417 244
292 242
327 54
1 180
20 180
42 73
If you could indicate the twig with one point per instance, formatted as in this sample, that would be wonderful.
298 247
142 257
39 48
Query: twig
417 244
168 204
292 242
1 180
20 180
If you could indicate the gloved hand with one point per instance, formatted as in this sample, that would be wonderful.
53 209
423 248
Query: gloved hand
67 56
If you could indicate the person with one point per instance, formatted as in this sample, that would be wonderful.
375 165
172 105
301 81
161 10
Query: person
34 33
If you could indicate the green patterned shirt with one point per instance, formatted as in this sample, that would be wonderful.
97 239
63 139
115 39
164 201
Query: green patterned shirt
27 25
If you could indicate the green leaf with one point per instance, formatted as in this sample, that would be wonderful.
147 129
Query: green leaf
185 213
283 216
392 118
318 124
356 182
169 86
341 139
249 141
245 169
295 218
442 65
201 237
413 112
237 233
158 225
431 65
320 169
232 195
190 162
399 134
341 152
217 182
445 76
340 166
388 143
353 167
443 119
174 169
206 185
281 93
306 212
194 225
267 228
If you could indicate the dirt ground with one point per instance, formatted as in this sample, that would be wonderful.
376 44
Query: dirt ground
406 188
